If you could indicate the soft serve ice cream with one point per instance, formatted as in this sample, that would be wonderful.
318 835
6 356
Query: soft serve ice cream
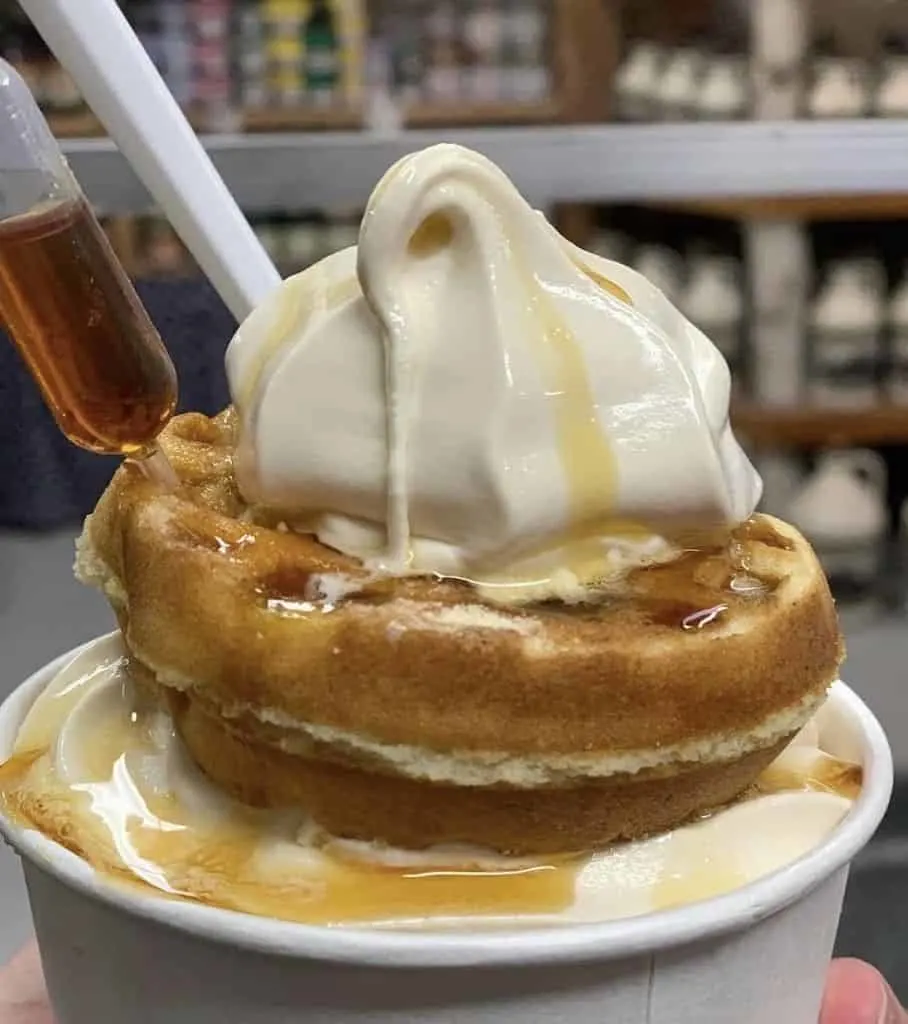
468 393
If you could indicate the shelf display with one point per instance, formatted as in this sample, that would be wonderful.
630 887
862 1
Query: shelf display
277 65
800 59
684 83
299 53
302 64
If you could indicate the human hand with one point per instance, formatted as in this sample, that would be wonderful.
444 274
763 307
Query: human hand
857 994
23 997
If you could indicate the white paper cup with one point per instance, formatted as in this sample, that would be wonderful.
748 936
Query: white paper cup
756 956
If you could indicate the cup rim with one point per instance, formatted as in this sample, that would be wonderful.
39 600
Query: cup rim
551 944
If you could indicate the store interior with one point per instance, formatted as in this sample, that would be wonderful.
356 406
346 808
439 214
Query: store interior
748 156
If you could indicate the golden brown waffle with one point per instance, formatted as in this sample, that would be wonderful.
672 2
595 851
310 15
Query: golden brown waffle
410 710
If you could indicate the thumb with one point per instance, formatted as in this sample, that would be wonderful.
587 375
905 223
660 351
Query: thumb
23 997
857 994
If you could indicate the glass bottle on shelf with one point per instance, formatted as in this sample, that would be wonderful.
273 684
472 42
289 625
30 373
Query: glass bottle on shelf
406 36
210 64
322 58
249 60
525 31
482 31
175 49
382 112
444 66
282 36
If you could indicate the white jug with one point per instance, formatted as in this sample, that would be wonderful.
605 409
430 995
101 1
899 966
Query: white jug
840 89
845 334
714 300
637 81
897 319
678 89
662 267
891 99
724 90
714 291
851 299
841 509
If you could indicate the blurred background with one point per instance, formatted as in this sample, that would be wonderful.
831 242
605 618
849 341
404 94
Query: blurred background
751 158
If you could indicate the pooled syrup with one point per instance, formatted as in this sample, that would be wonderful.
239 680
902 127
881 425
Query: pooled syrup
144 834
701 588
124 810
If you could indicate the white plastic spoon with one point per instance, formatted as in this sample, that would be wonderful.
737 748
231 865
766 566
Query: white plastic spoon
95 43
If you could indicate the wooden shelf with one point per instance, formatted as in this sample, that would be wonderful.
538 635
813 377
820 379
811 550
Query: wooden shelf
773 427
419 116
81 124
472 115
301 119
84 124
799 208
551 163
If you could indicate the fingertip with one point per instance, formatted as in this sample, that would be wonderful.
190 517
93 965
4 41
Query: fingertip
25 963
23 996
855 994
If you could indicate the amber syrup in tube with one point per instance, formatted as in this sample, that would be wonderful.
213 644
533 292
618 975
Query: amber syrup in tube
76 320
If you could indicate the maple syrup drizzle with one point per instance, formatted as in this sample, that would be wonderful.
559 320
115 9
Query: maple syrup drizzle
704 617
685 883
150 835
298 300
695 591
135 833
828 775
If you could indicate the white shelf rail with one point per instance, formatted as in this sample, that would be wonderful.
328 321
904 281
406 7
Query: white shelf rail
550 164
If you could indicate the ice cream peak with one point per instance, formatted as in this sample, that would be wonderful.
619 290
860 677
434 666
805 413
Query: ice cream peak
466 392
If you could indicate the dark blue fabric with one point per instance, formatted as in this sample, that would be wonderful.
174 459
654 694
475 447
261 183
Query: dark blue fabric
47 482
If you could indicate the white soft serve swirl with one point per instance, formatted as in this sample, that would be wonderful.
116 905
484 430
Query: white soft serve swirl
467 392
